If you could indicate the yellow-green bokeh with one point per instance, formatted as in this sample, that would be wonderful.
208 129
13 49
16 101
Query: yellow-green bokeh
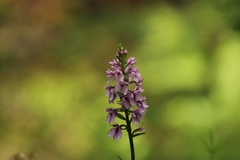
53 57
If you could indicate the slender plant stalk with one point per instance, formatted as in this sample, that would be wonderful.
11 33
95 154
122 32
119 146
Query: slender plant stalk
129 130
125 74
211 137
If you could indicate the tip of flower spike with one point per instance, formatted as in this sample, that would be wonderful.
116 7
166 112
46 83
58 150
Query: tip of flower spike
120 47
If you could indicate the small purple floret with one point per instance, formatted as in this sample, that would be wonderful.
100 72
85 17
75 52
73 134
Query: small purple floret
115 132
111 94
121 87
136 117
111 115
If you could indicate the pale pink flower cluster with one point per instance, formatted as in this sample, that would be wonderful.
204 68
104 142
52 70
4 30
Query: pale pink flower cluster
124 74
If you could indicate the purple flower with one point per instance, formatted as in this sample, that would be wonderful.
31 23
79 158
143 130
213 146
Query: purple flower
137 93
131 61
121 87
111 115
125 52
142 105
127 102
114 64
111 93
119 75
115 132
136 117
110 75
115 75
139 83
117 55
135 75
128 90
131 96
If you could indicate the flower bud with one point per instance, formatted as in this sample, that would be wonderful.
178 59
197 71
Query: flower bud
125 52
117 55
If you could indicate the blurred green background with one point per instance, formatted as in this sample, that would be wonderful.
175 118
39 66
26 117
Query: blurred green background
53 57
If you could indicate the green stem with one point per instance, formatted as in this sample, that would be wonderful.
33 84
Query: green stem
129 130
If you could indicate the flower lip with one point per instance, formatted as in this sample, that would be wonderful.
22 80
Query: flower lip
136 117
111 94
131 61
115 132
111 115
122 87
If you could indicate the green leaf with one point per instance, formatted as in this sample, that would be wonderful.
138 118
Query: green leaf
204 144
223 144
120 116
119 157
138 134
